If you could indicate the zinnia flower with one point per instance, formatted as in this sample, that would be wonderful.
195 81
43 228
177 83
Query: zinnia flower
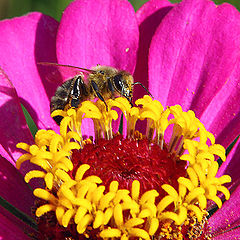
161 185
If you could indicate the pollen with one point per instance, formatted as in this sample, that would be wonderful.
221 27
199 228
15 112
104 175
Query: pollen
139 186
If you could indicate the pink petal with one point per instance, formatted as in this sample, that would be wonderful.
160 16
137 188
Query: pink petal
98 32
231 166
13 126
227 217
193 53
149 16
232 234
11 228
13 187
25 41
222 115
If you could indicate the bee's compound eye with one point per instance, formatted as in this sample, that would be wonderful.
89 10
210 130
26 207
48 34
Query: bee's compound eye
118 82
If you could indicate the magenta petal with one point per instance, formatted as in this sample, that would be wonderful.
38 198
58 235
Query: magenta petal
149 16
227 217
231 166
13 126
24 42
222 115
231 235
13 187
95 32
11 228
193 53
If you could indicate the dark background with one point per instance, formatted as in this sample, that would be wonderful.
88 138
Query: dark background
54 8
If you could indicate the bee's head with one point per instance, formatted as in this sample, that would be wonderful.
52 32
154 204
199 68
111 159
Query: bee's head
122 82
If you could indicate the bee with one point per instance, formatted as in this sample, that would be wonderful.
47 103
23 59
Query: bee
101 82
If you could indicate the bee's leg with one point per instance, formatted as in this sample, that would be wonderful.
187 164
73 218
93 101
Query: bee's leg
58 119
76 91
130 101
110 87
75 102
95 88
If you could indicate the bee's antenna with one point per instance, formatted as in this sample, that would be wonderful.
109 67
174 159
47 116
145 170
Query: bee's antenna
64 65
138 83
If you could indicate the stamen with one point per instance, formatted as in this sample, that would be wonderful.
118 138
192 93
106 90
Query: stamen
158 118
102 118
131 114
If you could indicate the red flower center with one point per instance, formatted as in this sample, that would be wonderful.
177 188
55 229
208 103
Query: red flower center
125 160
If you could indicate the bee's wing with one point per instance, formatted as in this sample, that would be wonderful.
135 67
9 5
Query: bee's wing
55 72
